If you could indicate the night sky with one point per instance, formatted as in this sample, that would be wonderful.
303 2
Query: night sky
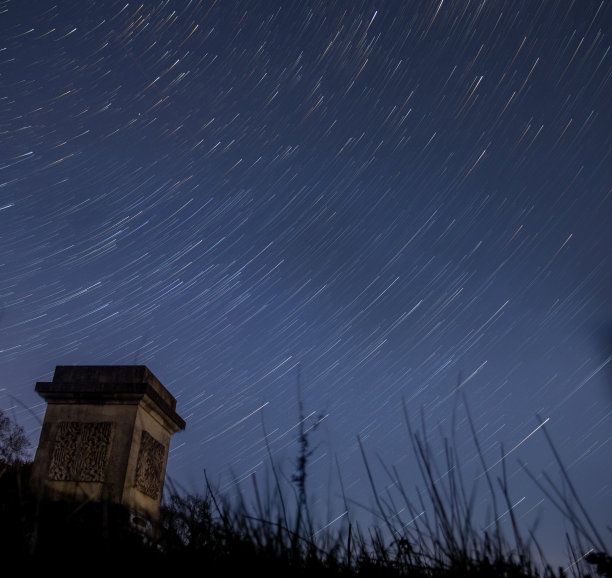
393 200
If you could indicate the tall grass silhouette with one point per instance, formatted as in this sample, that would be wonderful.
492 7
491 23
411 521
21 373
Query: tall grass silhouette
434 530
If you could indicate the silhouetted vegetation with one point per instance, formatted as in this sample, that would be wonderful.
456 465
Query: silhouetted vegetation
13 442
220 535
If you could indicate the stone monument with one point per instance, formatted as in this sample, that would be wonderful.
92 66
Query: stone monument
105 437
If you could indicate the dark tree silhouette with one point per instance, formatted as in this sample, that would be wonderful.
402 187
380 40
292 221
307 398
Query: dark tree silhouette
13 442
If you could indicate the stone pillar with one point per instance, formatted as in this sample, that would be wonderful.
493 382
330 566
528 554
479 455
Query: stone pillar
105 437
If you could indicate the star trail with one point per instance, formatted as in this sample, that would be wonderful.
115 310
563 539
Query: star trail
400 201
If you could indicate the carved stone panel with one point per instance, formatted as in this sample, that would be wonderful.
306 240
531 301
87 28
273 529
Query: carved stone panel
150 466
81 452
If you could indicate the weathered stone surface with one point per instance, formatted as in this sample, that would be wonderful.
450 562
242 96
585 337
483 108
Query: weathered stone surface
106 436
